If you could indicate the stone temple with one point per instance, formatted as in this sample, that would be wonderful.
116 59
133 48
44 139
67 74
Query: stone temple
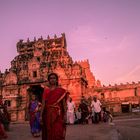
29 70
36 59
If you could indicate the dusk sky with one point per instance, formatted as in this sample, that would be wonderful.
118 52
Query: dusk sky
106 32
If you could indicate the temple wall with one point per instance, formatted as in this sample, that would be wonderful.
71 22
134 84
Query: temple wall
119 98
36 59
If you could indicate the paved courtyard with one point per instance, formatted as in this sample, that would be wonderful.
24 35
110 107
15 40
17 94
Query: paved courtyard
123 128
128 128
102 131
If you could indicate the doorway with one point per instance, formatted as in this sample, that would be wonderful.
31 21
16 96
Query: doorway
38 91
125 108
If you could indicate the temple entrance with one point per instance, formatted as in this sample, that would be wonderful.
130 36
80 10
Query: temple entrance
38 91
125 108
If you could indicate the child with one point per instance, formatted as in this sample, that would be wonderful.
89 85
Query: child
34 113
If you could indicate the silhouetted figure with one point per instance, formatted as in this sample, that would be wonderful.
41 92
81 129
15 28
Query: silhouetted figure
84 111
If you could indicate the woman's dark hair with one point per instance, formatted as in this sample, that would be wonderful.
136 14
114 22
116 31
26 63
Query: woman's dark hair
54 75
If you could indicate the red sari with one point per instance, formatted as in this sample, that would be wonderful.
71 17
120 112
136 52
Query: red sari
54 127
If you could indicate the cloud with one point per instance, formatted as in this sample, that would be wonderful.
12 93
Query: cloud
119 51
123 43
86 39
127 41
86 36
82 36
133 75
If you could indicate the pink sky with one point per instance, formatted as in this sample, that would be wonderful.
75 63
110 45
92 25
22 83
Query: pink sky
106 32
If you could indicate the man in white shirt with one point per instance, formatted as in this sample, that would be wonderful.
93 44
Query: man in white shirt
70 111
96 108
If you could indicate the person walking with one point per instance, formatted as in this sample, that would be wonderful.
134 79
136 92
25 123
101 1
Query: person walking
70 111
84 111
53 112
96 107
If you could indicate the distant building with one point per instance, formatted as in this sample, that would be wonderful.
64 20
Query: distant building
123 98
29 70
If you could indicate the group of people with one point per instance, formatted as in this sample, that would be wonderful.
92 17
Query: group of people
54 112
97 113
4 119
86 112
50 115
57 110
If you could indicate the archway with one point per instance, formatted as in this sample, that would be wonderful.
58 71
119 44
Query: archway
38 91
125 108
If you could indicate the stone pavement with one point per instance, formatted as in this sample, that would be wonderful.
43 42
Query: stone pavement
128 128
127 116
102 131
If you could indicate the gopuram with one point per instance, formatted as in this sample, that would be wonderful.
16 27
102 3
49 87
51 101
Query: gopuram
29 70
36 59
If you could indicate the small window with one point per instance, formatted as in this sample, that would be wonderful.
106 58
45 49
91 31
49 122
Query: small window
38 58
7 103
102 95
39 49
135 91
34 74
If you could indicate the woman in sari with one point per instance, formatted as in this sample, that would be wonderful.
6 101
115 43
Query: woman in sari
34 113
53 113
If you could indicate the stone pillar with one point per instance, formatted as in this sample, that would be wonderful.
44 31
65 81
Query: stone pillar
130 107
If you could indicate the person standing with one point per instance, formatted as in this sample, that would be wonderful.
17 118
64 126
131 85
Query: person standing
96 107
84 111
7 117
3 134
70 111
53 112
4 115
78 116
34 113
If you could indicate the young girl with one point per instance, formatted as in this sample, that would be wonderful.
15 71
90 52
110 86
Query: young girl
34 113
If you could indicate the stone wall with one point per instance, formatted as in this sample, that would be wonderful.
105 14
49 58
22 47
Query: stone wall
118 97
